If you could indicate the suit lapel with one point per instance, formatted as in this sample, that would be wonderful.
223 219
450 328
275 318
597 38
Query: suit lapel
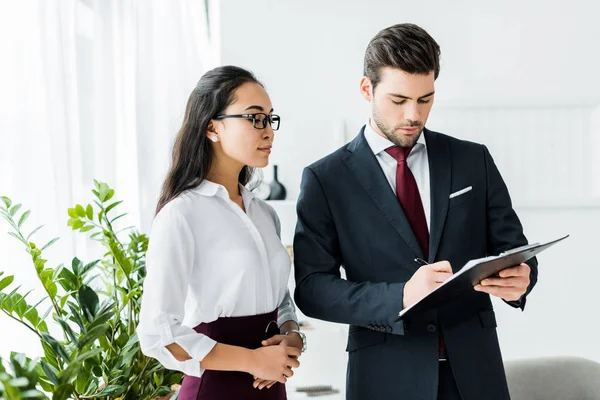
440 175
362 162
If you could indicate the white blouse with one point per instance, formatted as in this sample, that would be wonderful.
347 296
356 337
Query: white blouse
208 259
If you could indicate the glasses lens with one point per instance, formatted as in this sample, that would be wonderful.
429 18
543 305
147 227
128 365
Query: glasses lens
260 121
275 122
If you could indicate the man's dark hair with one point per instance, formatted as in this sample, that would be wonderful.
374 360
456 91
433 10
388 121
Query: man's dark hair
404 46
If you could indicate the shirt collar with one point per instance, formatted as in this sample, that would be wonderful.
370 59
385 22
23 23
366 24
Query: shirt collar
209 189
379 143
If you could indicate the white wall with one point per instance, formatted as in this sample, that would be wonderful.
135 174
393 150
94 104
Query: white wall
521 78
538 55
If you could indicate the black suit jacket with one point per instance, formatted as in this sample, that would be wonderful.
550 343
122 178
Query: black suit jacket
349 216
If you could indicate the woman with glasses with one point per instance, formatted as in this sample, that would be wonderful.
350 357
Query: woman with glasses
215 303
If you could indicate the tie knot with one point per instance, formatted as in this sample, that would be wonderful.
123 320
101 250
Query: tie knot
399 153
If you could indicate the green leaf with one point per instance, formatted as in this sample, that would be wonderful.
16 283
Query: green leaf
33 394
122 340
67 329
87 228
8 300
82 382
34 251
80 211
50 308
104 344
75 366
72 213
132 342
113 205
47 281
63 392
76 266
109 195
6 281
117 217
63 300
50 355
42 327
32 316
16 237
51 288
100 215
7 201
76 317
88 267
161 391
103 191
69 280
105 313
111 390
57 271
123 261
78 224
19 382
46 386
88 300
57 347
39 265
89 212
157 379
23 218
34 231
92 335
72 221
14 210
130 295
50 243
50 371
20 307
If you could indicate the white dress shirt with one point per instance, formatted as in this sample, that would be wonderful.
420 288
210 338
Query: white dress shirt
208 259
418 163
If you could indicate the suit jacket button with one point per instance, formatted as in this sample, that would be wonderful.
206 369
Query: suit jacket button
431 328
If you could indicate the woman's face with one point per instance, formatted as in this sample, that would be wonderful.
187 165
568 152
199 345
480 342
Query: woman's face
243 140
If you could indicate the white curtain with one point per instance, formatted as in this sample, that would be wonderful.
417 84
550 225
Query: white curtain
90 89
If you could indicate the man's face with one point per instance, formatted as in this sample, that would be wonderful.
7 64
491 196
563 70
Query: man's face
400 104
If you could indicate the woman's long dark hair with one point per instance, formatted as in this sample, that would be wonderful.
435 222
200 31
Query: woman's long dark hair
192 153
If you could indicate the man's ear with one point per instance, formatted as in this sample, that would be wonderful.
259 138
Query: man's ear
366 88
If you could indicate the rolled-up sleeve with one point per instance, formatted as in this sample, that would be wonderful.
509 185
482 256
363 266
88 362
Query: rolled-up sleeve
169 263
286 310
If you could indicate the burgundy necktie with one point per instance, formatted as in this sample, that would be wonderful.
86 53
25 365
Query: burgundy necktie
407 192
408 195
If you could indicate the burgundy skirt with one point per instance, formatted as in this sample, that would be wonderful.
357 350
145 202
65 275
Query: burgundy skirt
246 332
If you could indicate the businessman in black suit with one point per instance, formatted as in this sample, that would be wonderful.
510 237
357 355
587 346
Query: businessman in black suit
396 193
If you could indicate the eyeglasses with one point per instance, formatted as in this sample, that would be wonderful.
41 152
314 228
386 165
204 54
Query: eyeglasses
259 120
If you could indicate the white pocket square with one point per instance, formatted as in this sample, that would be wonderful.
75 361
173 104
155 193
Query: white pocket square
461 192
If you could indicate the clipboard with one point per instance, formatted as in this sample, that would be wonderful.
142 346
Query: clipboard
474 272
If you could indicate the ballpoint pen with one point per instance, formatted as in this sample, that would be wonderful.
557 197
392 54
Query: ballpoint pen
421 261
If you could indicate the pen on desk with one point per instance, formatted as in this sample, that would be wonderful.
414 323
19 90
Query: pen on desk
421 262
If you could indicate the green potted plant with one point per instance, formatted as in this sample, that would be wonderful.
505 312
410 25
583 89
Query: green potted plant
95 306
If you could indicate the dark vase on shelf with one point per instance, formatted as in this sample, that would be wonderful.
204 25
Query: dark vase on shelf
277 189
